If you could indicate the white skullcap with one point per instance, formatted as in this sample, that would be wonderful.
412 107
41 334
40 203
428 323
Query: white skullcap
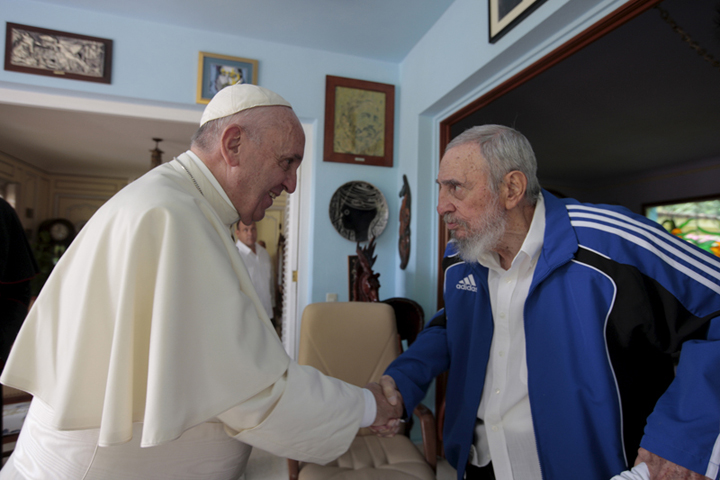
236 98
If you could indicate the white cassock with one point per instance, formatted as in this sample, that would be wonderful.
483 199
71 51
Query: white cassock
260 269
137 361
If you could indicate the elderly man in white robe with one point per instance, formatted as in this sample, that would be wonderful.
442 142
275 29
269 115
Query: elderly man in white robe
133 351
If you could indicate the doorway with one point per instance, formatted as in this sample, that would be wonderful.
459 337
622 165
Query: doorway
90 134
628 96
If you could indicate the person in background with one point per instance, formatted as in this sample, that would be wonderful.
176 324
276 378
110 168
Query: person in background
561 329
148 352
257 261
17 268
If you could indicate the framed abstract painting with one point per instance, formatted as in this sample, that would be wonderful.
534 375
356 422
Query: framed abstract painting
359 118
53 53
694 220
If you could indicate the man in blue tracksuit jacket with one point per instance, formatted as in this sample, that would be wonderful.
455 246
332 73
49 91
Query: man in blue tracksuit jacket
612 303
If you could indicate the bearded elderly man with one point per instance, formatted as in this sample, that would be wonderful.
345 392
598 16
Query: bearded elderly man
561 325
133 352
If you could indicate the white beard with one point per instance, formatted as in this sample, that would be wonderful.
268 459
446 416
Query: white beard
483 235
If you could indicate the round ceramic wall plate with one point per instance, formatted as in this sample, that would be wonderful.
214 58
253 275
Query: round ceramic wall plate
358 211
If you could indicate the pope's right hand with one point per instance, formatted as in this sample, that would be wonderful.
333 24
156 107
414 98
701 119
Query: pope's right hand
387 396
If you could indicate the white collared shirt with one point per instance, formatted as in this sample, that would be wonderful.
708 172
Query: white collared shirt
260 269
504 432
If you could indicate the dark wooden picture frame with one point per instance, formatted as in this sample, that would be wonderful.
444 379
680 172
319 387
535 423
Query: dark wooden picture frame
208 74
359 122
57 54
504 15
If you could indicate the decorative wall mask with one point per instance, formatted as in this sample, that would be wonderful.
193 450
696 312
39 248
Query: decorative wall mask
404 242
358 211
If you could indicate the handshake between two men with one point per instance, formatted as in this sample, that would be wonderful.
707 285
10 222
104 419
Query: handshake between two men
390 408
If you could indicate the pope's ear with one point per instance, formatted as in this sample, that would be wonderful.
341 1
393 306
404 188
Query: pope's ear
230 141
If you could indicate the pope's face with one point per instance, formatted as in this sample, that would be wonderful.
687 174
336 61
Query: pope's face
268 165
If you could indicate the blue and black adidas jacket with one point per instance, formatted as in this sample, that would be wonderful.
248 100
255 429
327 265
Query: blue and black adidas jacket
614 303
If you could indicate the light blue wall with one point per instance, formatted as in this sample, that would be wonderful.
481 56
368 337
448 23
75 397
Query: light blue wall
452 65
158 63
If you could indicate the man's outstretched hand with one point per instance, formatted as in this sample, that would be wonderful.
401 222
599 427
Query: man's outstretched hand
389 407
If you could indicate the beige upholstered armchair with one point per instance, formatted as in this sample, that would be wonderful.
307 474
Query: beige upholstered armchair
355 342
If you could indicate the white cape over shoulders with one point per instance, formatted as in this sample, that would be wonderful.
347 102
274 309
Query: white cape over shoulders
151 317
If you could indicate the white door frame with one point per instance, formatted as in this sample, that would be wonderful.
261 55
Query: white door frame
296 275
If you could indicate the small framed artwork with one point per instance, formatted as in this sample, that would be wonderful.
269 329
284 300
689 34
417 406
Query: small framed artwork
216 72
696 220
57 54
359 118
506 14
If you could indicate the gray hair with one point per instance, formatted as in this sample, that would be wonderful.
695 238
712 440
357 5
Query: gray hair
253 121
505 150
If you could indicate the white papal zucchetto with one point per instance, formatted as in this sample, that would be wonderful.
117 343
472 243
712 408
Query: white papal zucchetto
236 98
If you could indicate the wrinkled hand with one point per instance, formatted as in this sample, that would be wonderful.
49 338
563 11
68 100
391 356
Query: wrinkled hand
389 396
661 469
387 413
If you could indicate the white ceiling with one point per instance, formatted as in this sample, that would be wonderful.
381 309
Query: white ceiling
75 142
65 141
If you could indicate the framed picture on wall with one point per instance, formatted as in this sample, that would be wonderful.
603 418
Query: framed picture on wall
506 14
359 118
218 71
695 220
53 53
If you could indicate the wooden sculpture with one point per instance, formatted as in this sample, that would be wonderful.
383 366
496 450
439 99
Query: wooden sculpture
367 285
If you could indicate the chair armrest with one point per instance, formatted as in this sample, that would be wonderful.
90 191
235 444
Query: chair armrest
427 428
293 469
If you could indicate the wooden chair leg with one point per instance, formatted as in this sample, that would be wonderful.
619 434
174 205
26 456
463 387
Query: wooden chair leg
427 427
293 469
